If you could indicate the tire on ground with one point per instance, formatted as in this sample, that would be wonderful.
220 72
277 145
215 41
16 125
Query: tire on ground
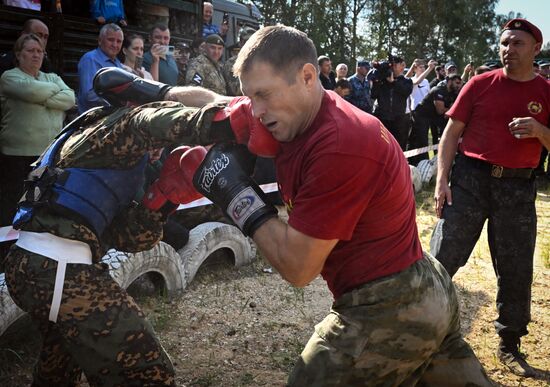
9 312
208 237
125 268
176 268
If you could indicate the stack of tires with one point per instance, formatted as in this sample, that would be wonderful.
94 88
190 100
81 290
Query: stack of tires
176 268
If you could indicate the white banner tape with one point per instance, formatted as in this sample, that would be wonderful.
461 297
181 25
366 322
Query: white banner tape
414 152
7 233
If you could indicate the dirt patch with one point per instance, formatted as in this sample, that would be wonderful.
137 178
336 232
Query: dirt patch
246 327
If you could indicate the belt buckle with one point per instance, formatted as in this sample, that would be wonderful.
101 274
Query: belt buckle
496 171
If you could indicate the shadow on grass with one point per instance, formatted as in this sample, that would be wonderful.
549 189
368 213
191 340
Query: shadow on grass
19 348
542 375
470 304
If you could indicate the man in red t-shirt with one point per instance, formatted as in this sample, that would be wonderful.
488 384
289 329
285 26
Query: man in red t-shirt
502 117
347 189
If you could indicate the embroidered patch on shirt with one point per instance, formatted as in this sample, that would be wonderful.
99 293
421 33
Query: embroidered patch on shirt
197 79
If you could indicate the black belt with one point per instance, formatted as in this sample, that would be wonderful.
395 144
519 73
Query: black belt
498 171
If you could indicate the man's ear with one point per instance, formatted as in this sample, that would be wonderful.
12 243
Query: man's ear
538 47
309 75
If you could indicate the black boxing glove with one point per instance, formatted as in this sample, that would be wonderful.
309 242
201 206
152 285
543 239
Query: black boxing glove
224 178
121 88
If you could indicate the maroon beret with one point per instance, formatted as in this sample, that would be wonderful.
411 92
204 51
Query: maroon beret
524 25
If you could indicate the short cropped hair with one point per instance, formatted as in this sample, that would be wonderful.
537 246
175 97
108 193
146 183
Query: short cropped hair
111 27
322 59
286 49
27 26
452 77
482 69
159 26
343 84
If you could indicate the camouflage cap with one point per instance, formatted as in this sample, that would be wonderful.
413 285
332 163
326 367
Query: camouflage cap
215 39
183 46
246 32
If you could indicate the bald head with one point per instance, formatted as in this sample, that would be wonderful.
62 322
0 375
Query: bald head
35 26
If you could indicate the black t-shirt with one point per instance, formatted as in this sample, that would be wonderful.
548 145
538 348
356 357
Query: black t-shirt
434 82
328 83
426 107
391 97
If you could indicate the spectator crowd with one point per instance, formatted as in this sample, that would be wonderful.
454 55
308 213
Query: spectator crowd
36 103
413 102
412 107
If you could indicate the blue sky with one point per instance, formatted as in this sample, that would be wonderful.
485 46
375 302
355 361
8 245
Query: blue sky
536 11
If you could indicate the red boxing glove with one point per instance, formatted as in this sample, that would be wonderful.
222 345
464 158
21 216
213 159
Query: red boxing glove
248 130
175 184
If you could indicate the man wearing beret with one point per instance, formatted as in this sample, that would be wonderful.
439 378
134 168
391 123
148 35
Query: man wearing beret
502 117
205 69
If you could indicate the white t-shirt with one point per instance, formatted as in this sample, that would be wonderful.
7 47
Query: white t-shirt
418 93
146 74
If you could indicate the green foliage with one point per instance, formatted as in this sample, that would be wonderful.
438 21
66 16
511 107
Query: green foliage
348 30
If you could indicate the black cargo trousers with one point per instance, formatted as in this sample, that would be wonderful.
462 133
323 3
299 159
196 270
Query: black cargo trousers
508 204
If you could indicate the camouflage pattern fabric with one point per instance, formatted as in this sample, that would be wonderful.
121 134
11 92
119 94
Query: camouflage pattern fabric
233 83
118 138
99 328
201 71
509 206
181 76
400 330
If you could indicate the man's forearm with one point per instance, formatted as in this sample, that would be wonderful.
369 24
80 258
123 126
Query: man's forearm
297 257
447 149
193 96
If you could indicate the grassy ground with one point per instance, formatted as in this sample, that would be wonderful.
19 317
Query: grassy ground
246 327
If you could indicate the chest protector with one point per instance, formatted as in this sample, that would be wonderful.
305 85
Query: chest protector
93 196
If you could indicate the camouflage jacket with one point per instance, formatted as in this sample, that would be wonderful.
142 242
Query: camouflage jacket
233 84
118 138
201 71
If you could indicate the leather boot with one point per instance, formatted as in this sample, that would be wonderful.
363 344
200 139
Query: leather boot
508 353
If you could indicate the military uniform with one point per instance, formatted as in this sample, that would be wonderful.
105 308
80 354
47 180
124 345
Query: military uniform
202 71
233 83
100 329
492 180
375 335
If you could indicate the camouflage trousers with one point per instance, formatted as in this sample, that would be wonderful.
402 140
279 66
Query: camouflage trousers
400 330
100 330
508 204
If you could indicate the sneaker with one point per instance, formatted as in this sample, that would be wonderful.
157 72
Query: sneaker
515 362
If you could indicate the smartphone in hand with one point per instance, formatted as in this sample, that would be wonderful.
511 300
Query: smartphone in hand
138 63
169 50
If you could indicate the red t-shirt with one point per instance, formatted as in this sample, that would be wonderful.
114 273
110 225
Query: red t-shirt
346 178
487 104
